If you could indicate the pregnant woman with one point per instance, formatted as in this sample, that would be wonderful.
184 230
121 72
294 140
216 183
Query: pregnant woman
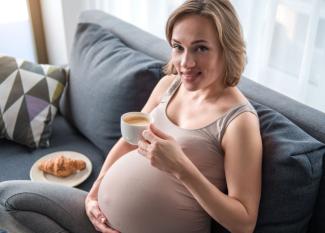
201 157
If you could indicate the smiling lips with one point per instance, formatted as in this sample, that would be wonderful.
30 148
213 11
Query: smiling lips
190 76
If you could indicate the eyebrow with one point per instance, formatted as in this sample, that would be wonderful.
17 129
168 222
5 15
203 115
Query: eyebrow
194 42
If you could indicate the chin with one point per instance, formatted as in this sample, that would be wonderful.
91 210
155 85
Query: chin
191 83
190 87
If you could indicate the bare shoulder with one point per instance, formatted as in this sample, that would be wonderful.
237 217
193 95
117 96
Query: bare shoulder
163 84
243 129
158 92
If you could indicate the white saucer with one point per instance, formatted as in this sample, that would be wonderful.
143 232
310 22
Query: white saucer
72 180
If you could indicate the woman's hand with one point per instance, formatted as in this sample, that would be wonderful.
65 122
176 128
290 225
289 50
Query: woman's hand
95 215
163 151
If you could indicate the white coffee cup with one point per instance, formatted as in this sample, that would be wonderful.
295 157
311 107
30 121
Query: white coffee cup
133 124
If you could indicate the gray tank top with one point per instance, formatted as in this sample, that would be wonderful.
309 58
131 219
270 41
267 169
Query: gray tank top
138 198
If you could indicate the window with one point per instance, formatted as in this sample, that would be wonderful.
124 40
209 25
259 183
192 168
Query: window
16 31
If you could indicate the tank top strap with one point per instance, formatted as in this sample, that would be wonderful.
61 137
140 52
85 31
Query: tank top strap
171 90
226 119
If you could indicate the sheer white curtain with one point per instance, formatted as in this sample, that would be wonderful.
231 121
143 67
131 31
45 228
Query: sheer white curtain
286 46
285 39
150 15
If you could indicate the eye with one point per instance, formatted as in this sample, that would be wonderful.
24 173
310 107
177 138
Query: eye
177 47
201 48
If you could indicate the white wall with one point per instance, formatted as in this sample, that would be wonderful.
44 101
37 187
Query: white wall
60 19
54 30
71 10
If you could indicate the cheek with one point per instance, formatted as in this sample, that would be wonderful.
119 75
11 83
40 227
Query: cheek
216 68
216 64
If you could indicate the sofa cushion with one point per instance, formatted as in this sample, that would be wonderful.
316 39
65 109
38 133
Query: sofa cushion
292 169
29 98
112 78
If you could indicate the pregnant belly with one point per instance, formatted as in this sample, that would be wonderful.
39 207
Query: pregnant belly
138 198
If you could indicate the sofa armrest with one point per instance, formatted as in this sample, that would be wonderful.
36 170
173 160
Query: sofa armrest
41 205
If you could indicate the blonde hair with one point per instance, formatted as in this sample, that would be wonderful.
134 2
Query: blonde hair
228 27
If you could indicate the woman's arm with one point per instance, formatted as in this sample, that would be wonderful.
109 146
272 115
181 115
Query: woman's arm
237 211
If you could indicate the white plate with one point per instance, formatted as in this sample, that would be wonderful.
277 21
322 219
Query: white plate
72 180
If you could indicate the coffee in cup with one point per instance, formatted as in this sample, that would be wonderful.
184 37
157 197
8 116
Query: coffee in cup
133 124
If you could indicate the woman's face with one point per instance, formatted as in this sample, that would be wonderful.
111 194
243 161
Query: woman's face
196 53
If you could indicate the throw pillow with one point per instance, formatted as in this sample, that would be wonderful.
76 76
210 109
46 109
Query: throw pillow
292 169
107 79
29 98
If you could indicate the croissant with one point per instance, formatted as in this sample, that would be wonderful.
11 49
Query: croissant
61 166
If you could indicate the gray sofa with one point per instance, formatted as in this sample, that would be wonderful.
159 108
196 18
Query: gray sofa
113 68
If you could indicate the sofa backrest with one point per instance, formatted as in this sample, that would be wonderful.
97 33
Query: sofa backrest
130 35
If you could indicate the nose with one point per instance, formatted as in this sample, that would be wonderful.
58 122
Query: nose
187 60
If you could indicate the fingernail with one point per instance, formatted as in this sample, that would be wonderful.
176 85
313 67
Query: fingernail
102 220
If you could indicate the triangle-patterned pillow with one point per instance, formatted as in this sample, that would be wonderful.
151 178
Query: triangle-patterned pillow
29 99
